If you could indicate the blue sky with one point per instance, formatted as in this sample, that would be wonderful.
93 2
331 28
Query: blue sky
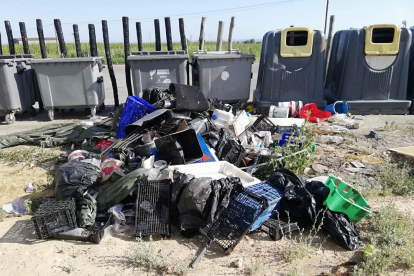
251 22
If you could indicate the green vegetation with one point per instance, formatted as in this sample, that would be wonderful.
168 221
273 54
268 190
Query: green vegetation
254 267
296 163
32 204
2 215
117 49
27 155
392 236
144 254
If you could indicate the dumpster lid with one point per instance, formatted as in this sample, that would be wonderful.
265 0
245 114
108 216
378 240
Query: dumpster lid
8 58
221 54
66 60
151 55
382 39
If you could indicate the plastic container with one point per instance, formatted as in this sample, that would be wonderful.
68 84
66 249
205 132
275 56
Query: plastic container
273 196
277 228
108 167
17 86
223 75
291 68
328 139
53 218
410 86
344 198
368 69
158 68
316 116
221 119
285 138
78 155
215 170
337 107
135 108
278 112
294 107
153 208
68 83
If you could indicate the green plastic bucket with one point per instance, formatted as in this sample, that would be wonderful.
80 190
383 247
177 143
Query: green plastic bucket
344 198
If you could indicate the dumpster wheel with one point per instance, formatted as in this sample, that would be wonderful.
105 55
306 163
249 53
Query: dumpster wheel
250 107
51 115
9 118
93 111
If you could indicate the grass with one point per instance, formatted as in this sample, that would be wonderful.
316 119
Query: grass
254 267
144 255
392 236
2 215
27 155
305 244
117 49
68 269
396 180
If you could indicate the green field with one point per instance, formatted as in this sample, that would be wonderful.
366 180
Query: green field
117 49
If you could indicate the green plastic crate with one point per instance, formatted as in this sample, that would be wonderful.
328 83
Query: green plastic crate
344 198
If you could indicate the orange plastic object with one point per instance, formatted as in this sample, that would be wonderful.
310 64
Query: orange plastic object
317 116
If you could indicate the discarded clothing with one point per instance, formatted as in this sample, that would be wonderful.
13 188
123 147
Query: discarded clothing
86 211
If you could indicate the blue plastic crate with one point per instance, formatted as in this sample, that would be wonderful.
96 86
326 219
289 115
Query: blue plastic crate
135 108
285 138
273 196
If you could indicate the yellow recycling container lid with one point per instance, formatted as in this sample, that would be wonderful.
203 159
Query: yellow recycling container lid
296 42
382 39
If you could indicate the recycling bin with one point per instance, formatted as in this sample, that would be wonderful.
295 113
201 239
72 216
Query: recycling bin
223 75
17 86
368 68
291 68
68 83
157 68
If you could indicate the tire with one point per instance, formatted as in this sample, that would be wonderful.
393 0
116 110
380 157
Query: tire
10 118
32 111
51 115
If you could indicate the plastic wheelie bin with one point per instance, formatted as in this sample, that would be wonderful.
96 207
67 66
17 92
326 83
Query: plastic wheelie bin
368 68
158 68
68 83
17 86
223 75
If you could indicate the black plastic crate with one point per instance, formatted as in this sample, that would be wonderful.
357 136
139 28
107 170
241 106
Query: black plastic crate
53 218
276 228
153 208
235 221
264 124
96 231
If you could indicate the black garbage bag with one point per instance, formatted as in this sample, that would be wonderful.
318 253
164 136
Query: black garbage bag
211 138
297 202
319 191
74 178
228 149
189 97
344 232
155 94
86 211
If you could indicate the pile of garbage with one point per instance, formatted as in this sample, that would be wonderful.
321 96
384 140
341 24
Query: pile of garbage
179 159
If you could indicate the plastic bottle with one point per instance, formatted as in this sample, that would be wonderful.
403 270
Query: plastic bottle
332 139
222 118
375 135
353 126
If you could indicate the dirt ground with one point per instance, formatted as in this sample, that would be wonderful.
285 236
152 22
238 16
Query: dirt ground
22 253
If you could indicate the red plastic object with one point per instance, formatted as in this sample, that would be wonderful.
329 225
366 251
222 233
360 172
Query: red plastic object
317 116
103 144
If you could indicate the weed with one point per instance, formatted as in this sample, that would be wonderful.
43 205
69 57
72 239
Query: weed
2 215
283 156
347 134
69 269
37 154
302 246
393 238
254 267
396 180
292 272
390 126
32 204
144 255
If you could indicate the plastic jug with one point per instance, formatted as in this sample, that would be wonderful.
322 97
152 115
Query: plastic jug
221 119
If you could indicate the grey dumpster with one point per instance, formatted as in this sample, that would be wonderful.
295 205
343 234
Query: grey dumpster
17 86
158 68
68 83
368 68
223 75
291 68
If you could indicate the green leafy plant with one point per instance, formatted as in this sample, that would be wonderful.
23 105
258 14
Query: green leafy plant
144 254
32 204
254 267
2 215
396 180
